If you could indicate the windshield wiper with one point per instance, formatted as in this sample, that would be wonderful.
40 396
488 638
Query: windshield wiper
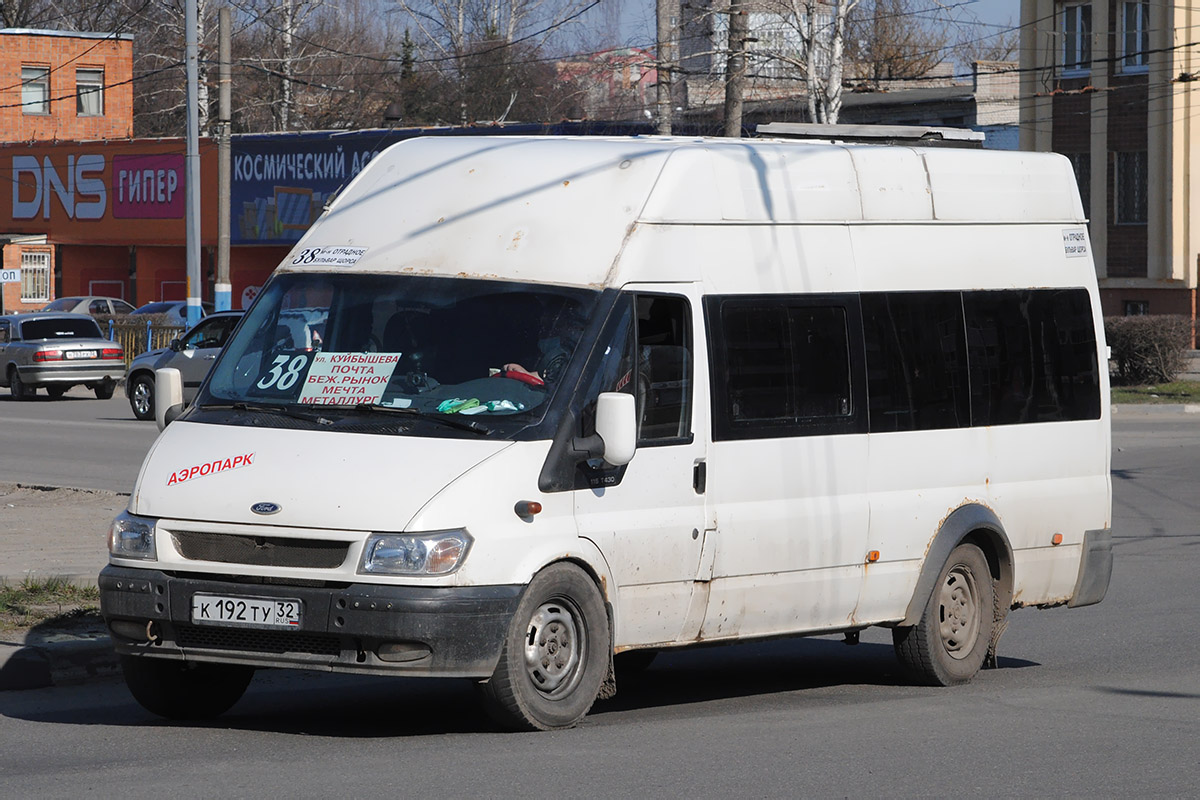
282 410
451 422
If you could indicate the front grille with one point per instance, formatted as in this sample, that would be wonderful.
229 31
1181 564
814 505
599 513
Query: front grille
259 551
201 637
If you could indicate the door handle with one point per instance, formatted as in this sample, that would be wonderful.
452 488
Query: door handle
700 477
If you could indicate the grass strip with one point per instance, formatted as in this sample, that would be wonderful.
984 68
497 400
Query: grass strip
1175 392
35 601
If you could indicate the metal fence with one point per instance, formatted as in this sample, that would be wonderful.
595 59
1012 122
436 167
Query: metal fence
138 337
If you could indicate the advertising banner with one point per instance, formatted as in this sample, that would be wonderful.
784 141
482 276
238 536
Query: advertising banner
118 192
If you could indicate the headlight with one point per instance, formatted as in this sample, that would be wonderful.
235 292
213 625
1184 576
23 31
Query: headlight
132 537
433 553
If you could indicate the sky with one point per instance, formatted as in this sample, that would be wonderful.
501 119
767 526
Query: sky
635 18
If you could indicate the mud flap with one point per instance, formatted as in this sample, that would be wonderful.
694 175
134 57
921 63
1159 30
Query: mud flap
608 689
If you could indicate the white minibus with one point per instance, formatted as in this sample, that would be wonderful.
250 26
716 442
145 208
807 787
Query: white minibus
516 407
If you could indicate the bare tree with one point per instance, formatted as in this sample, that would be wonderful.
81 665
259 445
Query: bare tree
484 49
892 40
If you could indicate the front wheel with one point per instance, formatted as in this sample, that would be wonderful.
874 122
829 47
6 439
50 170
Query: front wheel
104 390
56 392
555 656
950 642
184 690
141 397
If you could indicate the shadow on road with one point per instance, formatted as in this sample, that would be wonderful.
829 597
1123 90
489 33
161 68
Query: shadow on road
356 707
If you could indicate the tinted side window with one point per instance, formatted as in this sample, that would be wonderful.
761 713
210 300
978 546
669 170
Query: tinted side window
916 361
784 366
1033 356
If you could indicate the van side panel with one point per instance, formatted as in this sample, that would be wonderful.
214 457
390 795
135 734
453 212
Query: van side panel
1040 479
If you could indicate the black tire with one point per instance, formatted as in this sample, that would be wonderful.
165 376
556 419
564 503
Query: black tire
104 391
555 656
949 644
56 392
633 662
184 690
140 391
20 390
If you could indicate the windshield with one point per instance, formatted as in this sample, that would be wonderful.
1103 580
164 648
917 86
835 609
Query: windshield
438 346
61 304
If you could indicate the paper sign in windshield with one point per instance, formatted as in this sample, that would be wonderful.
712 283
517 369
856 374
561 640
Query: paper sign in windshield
328 256
347 379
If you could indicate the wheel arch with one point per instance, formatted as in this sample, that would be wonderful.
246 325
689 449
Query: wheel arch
137 373
972 523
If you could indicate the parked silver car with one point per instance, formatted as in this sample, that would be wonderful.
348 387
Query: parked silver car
192 354
96 306
57 351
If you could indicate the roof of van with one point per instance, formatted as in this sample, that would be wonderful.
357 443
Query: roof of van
560 209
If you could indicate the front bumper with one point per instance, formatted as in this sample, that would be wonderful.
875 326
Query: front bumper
362 628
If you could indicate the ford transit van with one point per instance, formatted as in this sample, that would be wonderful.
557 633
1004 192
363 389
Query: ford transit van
516 407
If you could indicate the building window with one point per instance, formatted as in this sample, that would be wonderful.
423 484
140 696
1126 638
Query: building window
89 92
35 277
1131 188
1135 37
1076 32
35 90
1137 308
1081 163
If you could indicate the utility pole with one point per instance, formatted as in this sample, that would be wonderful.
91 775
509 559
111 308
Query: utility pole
735 67
224 290
192 164
666 15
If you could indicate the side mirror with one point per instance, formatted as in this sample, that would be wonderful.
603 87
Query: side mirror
175 344
616 425
168 396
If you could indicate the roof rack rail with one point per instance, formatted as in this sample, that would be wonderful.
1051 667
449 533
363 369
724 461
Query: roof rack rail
875 134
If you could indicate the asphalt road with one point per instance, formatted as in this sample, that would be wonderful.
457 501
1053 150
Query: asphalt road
1095 702
78 441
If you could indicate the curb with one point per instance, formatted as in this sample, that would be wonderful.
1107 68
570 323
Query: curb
1155 409
70 660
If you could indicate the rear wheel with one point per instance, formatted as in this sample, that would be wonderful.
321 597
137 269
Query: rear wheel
56 392
20 391
141 396
555 656
104 390
949 644
184 690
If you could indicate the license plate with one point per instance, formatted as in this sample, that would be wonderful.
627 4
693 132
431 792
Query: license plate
72 354
250 612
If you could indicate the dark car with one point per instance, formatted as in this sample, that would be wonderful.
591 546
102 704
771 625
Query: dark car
192 354
175 309
57 351
96 306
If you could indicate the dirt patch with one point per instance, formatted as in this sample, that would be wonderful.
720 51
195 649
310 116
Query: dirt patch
55 533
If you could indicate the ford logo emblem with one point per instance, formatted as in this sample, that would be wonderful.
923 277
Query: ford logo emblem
266 508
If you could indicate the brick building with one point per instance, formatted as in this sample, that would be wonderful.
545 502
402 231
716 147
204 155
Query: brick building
1112 85
57 86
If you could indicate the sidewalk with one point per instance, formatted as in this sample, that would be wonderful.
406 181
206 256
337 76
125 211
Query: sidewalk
48 532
